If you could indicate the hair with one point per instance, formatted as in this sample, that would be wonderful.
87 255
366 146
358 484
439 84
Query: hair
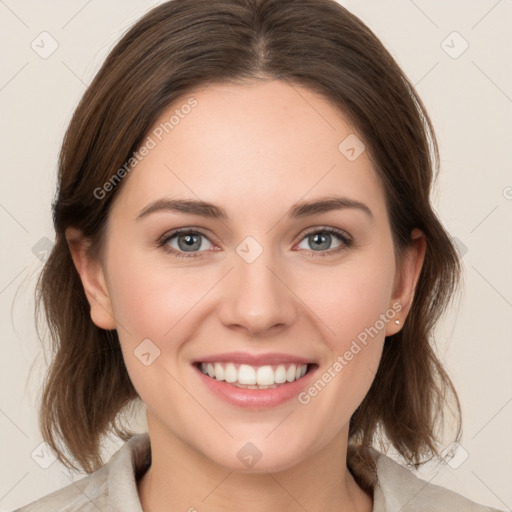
174 49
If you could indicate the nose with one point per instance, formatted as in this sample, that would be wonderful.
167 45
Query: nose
258 299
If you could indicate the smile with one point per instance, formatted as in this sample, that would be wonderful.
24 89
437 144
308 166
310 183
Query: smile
255 381
254 377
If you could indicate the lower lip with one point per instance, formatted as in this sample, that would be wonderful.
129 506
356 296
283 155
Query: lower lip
256 398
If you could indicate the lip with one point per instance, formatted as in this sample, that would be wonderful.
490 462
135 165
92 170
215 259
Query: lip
256 398
253 359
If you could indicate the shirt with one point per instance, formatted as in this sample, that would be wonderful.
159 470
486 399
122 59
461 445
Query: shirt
113 488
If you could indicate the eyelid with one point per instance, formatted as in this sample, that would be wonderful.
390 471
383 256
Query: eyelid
346 241
164 239
328 229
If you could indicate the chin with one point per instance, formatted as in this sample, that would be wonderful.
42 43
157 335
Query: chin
255 454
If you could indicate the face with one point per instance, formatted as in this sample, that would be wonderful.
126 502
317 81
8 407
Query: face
258 287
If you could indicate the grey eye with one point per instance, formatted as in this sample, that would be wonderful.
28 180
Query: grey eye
188 242
320 241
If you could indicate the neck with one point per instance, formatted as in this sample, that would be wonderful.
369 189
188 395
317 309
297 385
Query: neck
180 478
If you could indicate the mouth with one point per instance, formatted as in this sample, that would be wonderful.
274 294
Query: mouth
254 381
246 376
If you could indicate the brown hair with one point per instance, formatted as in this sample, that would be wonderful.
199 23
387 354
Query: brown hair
185 44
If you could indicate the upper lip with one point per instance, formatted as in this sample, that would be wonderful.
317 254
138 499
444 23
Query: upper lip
253 359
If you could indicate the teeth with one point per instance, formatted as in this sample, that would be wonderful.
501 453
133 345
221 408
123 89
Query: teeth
230 373
280 375
246 375
219 371
265 376
254 377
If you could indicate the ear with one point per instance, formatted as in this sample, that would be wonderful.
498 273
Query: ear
406 280
93 279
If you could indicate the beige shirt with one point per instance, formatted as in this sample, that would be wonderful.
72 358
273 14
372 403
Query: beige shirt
113 488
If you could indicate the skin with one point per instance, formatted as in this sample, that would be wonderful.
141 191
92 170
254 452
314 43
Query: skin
255 150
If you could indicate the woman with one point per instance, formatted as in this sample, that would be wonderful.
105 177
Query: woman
245 243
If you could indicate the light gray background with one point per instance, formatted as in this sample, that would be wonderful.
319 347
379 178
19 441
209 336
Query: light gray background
469 96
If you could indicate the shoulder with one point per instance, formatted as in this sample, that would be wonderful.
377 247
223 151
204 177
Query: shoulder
398 488
88 494
110 489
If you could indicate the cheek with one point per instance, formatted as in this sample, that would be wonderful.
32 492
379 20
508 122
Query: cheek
351 297
156 304
149 301
353 303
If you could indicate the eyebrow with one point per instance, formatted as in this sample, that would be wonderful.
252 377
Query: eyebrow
212 211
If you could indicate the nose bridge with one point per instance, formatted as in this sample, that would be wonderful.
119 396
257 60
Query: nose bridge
257 299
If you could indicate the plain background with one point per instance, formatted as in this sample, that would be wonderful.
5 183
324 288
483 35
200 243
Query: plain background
468 93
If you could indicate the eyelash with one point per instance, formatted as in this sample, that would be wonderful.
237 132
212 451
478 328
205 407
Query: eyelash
346 242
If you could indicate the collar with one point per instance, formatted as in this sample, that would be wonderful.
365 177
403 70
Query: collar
395 488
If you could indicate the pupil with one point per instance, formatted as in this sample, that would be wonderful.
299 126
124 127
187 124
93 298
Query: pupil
323 239
190 240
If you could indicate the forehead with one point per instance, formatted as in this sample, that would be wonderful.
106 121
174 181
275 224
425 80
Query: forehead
243 146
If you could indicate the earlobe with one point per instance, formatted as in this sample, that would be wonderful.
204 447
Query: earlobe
93 280
407 279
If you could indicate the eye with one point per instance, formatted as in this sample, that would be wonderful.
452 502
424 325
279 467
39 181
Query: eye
185 243
320 241
189 243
